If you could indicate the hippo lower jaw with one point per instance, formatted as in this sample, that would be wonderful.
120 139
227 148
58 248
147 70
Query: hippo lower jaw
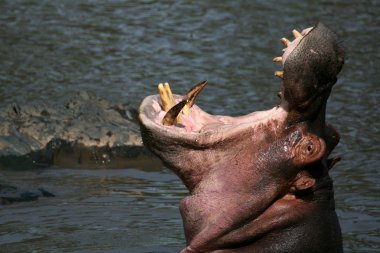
200 125
204 139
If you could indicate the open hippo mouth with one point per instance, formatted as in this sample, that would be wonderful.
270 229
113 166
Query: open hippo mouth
179 111
239 169
309 72
192 138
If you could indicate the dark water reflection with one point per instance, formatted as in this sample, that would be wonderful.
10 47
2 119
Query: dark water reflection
120 49
122 210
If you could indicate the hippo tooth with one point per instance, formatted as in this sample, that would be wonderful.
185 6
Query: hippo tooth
277 59
171 116
296 34
169 94
166 96
279 74
192 94
285 41
162 93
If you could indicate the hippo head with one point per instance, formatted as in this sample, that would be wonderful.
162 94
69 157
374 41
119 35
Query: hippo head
203 141
238 169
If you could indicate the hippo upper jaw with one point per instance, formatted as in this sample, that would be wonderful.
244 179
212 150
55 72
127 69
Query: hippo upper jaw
311 64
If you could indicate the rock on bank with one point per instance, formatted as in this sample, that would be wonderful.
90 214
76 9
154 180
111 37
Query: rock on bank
85 132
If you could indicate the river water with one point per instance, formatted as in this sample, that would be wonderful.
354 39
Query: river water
120 50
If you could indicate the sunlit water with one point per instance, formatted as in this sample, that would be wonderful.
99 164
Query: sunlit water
120 50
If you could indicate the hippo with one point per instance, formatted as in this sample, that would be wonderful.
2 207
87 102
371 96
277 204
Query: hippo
258 182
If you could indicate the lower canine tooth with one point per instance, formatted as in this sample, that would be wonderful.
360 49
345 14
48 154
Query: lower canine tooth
192 94
277 59
171 116
279 74
174 114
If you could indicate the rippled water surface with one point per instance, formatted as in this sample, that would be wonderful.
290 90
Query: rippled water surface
103 210
119 50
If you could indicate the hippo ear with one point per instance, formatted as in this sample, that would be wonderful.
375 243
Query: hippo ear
304 183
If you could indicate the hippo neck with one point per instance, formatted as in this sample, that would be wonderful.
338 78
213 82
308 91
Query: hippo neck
323 189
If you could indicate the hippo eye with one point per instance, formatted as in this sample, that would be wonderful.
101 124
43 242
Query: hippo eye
309 147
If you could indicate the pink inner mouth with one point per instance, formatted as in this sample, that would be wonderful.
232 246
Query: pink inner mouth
199 121
200 127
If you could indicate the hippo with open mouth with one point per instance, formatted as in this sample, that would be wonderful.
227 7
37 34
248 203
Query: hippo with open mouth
259 182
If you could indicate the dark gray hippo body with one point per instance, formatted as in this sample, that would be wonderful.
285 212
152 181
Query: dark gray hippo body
259 182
